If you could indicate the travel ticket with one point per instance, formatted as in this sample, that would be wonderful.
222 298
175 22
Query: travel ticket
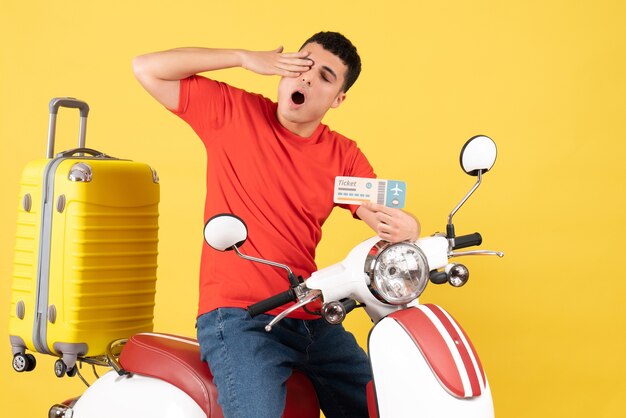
356 190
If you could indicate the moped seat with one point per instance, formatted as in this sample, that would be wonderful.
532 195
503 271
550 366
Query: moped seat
176 360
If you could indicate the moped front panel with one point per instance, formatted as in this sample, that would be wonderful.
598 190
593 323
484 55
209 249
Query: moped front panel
421 379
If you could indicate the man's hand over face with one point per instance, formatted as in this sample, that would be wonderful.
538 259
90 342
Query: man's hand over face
275 62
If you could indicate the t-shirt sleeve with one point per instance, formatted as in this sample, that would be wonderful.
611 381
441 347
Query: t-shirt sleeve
203 104
359 167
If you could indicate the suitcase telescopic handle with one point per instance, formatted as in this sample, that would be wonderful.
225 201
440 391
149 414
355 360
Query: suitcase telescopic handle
70 102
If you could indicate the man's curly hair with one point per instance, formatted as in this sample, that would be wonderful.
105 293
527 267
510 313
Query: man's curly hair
342 47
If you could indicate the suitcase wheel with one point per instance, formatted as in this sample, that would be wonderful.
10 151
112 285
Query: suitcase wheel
73 371
60 369
24 362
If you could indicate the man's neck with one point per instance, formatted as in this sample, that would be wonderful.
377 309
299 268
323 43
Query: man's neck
304 130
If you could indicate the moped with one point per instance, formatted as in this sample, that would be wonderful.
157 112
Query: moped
423 363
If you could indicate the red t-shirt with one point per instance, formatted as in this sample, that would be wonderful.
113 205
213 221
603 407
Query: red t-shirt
279 183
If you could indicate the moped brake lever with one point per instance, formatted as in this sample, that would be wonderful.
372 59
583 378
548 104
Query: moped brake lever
310 297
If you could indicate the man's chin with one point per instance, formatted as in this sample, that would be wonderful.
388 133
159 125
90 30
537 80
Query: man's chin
292 113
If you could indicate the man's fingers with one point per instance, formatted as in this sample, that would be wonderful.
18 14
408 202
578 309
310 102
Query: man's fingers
384 217
375 207
287 73
384 228
386 232
294 66
299 54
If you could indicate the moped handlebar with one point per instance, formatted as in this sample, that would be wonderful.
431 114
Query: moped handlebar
469 240
272 302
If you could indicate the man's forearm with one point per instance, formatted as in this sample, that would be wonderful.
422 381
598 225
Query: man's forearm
176 64
160 72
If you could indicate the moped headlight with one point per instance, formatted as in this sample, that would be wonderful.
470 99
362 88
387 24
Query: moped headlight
398 272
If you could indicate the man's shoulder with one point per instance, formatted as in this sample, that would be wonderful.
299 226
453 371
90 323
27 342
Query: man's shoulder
227 89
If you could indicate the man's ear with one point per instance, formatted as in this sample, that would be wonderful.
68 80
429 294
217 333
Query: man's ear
339 99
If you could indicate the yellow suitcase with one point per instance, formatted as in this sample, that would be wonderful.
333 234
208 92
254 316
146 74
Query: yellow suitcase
85 254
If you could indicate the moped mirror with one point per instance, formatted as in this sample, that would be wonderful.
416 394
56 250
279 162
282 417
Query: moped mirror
478 155
225 231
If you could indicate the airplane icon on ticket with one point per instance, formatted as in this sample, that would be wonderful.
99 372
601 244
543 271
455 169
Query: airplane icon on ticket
396 190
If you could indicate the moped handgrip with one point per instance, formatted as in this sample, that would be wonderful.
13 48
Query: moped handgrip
469 240
349 304
272 302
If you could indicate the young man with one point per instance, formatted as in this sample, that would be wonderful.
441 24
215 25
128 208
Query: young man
274 165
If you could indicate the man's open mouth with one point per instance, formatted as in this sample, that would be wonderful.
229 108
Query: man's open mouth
297 97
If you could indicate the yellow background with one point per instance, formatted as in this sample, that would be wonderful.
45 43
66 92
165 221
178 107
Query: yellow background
545 79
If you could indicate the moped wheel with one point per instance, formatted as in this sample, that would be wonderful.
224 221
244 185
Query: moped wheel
59 368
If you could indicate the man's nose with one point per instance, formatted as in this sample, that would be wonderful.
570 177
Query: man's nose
306 78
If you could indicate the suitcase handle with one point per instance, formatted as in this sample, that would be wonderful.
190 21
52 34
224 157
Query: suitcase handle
90 151
70 102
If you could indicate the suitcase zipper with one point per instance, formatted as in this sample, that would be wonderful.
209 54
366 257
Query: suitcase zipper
40 330
43 268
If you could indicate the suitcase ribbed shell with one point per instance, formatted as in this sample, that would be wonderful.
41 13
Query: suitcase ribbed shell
86 258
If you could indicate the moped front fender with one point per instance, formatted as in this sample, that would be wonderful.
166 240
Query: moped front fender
424 365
